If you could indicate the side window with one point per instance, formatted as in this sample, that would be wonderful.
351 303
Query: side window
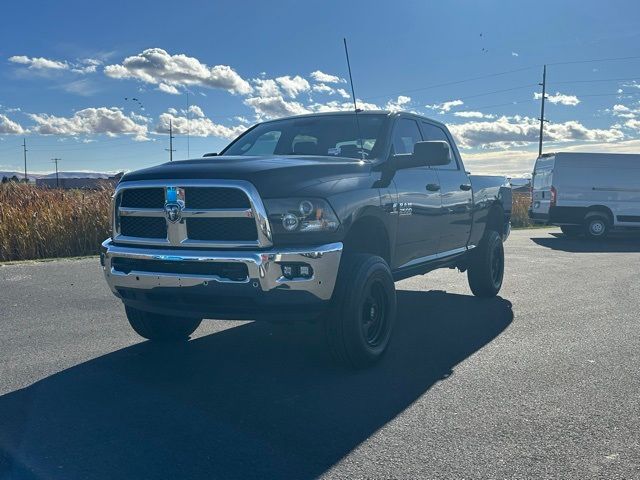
405 136
431 133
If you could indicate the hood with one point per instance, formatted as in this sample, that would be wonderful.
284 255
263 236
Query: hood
273 176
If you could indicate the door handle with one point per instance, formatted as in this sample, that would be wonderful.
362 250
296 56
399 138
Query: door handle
433 187
465 186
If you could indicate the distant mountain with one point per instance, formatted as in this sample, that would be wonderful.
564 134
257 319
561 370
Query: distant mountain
34 176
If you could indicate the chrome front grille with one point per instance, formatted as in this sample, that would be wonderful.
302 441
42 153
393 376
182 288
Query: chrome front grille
190 213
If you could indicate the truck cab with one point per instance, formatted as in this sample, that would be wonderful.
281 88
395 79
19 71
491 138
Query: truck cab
308 218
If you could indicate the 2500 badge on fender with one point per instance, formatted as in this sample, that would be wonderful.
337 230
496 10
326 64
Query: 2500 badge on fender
308 218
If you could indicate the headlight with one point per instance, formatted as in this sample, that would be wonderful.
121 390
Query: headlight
295 215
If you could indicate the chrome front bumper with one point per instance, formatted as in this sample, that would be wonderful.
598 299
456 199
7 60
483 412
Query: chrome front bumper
264 286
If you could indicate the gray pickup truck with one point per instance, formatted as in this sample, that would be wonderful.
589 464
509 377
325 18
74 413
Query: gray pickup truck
307 218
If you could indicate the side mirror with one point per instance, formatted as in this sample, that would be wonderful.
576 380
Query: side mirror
213 154
432 153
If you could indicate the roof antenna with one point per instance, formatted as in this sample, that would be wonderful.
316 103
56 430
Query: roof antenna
355 105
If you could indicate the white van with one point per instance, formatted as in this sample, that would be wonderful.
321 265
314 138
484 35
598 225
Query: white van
588 193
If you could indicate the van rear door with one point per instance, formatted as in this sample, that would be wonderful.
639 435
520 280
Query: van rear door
541 184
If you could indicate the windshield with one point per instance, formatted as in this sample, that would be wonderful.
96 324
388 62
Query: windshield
326 135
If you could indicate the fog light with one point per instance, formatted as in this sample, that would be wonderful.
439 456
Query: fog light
305 271
287 271
292 271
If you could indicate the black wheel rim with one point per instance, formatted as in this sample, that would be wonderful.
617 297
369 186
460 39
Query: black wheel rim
497 264
375 314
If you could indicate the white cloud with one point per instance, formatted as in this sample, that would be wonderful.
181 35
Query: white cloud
472 114
274 107
39 63
170 89
242 119
335 106
323 88
622 111
633 124
520 162
515 54
86 65
445 107
343 93
102 120
267 87
506 132
156 66
196 127
322 77
401 103
8 126
562 99
293 86
196 111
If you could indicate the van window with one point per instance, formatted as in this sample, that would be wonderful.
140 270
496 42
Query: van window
542 179
431 133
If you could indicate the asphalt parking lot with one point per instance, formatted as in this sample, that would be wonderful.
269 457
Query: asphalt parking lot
541 382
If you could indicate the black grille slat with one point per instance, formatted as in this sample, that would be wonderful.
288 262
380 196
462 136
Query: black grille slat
231 270
145 227
143 198
218 197
222 229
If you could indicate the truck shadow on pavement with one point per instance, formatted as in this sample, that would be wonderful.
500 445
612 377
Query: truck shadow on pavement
618 242
247 402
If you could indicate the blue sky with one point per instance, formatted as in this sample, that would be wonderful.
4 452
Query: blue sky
66 68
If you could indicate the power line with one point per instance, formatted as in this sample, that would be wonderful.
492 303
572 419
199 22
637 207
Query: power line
595 60
454 82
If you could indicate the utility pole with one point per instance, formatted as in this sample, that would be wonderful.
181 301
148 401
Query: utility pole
170 149
56 160
24 148
542 120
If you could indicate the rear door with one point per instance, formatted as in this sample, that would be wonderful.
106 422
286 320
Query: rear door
541 186
418 206
455 190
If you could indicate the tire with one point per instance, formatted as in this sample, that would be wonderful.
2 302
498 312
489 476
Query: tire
161 328
571 231
363 313
486 269
596 226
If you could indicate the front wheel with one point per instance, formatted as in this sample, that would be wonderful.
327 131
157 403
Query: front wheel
161 328
486 268
361 320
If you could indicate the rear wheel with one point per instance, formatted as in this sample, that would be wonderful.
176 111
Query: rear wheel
486 269
571 230
596 226
364 311
161 328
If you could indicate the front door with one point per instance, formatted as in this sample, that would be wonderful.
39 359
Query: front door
418 205
457 197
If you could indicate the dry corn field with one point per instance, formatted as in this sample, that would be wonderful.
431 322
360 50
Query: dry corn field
42 223
520 210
